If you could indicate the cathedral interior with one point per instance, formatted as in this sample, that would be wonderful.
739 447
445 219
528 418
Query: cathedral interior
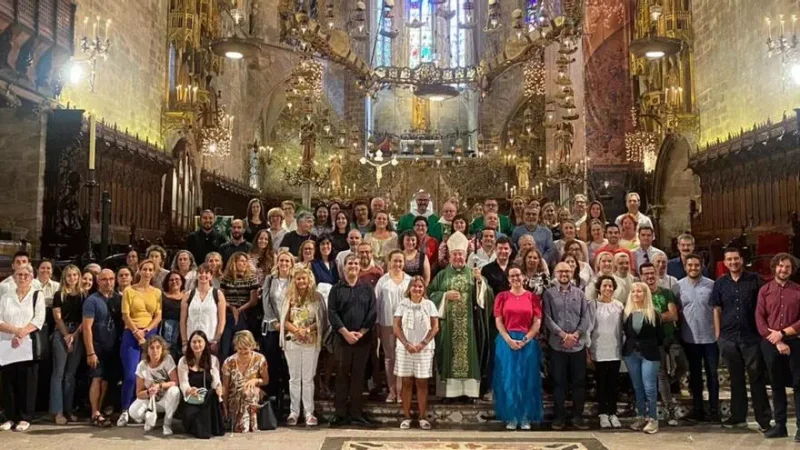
121 120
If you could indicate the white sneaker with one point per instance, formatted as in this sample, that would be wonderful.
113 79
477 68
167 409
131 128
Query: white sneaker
525 426
7 426
511 426
167 430
123 419
651 427
615 423
638 423
604 422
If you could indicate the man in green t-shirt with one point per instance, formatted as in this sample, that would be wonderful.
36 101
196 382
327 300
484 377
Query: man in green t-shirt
665 304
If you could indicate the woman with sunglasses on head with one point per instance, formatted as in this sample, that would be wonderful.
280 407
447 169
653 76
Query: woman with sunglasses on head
201 386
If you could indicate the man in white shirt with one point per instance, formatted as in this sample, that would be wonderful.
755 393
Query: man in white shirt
21 258
486 252
632 202
645 253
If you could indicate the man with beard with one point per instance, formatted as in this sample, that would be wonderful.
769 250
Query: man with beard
465 303
206 239
778 321
423 201
237 242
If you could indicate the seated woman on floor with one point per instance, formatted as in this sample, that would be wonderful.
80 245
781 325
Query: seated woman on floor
198 373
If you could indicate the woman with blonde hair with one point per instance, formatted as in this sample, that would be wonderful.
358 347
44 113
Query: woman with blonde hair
243 375
141 314
214 261
67 344
273 296
304 320
307 251
642 354
156 383
240 286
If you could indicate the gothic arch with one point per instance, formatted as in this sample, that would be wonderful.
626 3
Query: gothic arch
674 186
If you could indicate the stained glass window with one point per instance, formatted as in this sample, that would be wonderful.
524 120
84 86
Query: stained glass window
533 13
383 45
420 40
458 38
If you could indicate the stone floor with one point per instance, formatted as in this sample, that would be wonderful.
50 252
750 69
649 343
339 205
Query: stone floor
44 437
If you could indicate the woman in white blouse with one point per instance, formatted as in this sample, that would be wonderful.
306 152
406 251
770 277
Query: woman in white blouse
21 313
389 291
203 309
606 348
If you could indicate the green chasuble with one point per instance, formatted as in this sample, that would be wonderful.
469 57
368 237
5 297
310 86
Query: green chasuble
407 223
505 225
463 342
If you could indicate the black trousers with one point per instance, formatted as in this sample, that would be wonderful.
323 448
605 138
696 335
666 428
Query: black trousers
568 370
606 374
744 361
278 371
777 366
351 368
703 356
18 393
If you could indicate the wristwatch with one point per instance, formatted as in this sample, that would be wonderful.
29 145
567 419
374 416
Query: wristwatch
783 333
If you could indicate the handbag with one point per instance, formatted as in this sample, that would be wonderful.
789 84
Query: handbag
200 397
39 338
266 417
150 416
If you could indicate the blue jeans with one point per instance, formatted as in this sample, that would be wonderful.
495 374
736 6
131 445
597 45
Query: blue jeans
171 332
644 377
65 366
231 328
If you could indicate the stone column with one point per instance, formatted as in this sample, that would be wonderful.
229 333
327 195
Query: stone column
22 146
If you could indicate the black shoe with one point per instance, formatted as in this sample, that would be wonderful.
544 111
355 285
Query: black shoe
778 431
713 417
730 423
558 424
361 420
339 421
763 428
580 424
797 436
695 416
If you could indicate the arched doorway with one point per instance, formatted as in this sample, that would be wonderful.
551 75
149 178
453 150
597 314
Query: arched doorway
674 187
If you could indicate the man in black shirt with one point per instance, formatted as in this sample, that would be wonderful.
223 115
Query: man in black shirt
496 272
734 298
236 244
206 239
294 239
352 313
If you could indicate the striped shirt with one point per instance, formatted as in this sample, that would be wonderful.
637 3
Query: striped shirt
237 290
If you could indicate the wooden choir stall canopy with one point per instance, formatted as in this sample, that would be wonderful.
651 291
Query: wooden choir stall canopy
749 183
226 196
132 171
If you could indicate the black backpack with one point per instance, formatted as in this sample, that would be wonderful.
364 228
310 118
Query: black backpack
214 293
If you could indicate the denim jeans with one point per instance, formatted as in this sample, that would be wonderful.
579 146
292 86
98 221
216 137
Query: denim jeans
171 332
644 377
231 328
65 366
130 353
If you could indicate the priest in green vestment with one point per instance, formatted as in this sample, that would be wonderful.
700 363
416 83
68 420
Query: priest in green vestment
465 302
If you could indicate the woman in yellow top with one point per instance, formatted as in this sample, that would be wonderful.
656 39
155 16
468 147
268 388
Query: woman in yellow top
141 313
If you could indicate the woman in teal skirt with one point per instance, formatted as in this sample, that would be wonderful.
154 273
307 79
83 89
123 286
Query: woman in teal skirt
517 381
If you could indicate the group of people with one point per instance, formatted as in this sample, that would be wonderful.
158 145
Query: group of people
493 306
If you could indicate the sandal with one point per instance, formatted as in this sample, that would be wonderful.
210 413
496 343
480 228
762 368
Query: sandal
405 424
424 424
100 421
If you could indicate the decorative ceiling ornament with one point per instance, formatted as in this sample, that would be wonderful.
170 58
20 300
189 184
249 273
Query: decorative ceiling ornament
535 73
641 146
215 138
603 13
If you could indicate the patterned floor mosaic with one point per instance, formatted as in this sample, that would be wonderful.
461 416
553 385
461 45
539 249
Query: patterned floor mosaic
461 444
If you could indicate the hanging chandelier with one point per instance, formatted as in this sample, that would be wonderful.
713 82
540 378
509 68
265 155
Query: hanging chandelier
215 139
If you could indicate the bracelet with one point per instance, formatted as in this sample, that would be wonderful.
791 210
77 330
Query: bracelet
90 354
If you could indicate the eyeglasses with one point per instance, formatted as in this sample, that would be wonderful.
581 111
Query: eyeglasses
24 275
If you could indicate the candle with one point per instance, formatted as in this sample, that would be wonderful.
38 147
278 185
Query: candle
540 162
194 94
85 24
780 18
92 144
108 24
506 184
94 30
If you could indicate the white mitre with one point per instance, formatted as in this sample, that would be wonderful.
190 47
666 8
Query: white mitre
457 242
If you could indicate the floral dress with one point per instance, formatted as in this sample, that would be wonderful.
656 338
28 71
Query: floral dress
242 403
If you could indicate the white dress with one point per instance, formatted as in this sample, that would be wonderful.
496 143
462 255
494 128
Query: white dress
202 315
388 295
416 322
